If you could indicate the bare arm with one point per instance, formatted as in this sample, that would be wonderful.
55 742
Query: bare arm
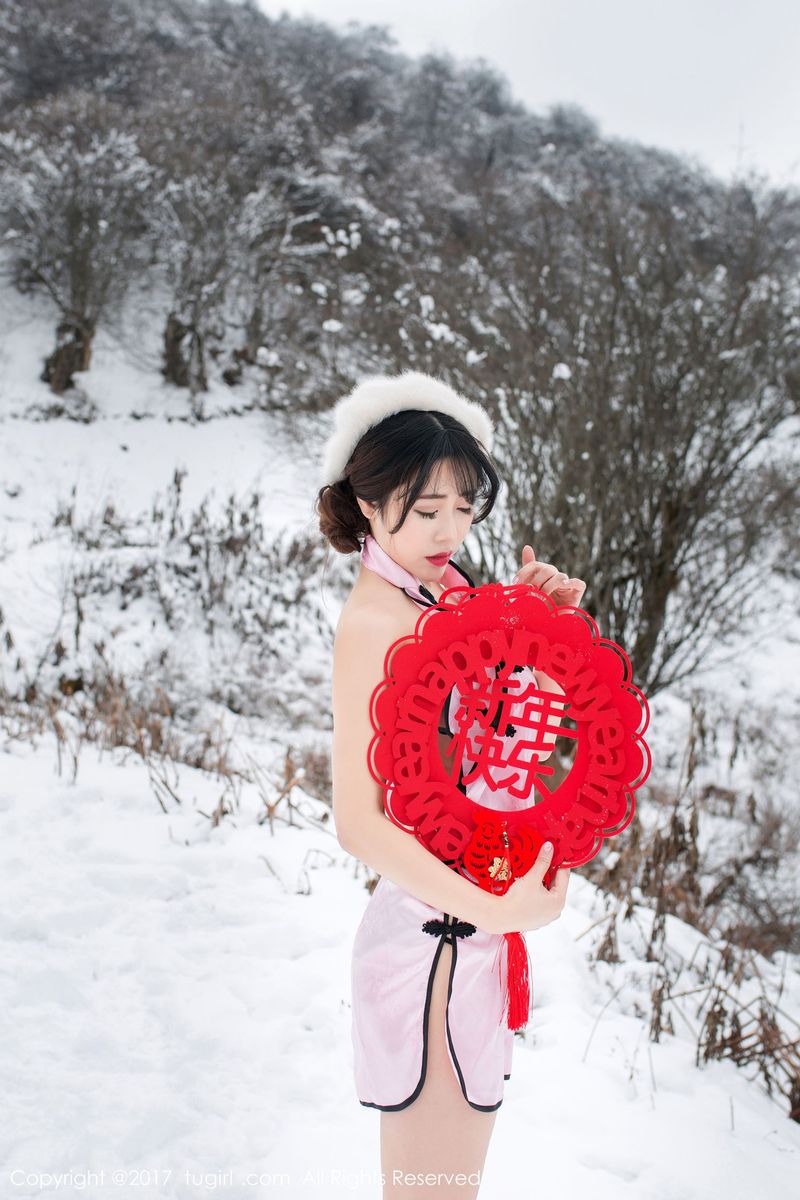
400 857
362 827
364 830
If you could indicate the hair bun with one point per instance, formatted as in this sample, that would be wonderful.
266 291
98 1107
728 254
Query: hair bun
341 521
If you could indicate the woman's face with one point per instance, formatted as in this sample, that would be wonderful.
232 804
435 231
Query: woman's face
436 524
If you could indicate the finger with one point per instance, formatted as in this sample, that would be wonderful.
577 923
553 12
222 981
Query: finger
561 882
528 559
541 572
526 574
554 582
543 860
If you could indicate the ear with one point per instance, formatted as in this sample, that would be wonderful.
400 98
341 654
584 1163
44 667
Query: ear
367 509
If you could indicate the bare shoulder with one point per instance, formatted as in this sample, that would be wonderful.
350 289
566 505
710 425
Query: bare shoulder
370 623
374 609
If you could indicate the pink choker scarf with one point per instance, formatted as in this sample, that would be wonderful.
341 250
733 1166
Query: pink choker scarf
376 559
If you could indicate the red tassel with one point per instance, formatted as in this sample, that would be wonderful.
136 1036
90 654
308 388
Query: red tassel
518 993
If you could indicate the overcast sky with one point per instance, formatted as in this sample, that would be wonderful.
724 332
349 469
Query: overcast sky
717 80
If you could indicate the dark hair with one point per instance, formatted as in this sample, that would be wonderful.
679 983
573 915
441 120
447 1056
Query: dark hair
401 452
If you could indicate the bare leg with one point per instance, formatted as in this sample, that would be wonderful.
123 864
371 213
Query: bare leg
439 1132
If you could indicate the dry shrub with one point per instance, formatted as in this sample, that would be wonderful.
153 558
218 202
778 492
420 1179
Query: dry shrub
741 897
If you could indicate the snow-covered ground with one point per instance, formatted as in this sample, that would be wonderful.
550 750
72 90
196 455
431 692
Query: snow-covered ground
175 994
176 1001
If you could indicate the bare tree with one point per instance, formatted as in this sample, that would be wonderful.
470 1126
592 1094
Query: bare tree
76 191
195 219
634 328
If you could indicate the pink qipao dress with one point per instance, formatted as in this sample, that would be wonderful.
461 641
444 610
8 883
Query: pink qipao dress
396 950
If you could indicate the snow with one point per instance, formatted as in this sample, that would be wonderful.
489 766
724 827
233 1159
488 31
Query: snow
171 1004
440 331
176 993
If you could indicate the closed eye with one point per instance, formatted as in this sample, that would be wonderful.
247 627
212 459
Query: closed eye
431 515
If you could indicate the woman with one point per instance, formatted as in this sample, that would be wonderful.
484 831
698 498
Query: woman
404 471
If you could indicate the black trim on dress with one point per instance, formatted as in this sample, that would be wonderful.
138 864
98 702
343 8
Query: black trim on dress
480 1107
444 936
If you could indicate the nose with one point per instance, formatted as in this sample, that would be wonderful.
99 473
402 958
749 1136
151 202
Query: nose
448 534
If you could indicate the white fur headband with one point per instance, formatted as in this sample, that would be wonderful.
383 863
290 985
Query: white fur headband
378 396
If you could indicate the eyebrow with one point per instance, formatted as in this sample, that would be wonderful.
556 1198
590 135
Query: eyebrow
438 496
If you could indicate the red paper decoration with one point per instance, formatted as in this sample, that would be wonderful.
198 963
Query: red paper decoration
479 644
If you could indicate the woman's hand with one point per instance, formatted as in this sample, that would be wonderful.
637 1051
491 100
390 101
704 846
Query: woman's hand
528 904
549 579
